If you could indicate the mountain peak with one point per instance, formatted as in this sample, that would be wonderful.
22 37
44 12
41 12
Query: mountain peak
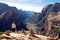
57 3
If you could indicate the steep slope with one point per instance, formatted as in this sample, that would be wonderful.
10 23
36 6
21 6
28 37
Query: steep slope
47 12
9 14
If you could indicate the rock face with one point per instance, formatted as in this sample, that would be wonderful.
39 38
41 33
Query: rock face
52 26
49 11
51 17
9 14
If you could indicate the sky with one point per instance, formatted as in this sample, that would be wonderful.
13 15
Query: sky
29 5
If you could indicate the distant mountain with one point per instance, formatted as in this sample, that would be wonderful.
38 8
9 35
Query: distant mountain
9 14
32 21
34 18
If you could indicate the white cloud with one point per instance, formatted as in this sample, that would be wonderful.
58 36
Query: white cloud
24 7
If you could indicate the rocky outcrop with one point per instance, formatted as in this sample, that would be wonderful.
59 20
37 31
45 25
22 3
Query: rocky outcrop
22 36
53 20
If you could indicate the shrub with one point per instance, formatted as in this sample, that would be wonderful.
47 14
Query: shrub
31 32
1 33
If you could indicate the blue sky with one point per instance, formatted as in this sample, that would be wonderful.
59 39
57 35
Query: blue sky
30 5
